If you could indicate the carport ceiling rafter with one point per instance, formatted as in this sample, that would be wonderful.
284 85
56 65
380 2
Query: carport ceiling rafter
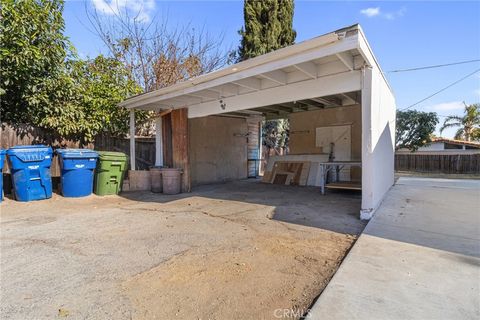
275 78
328 65
282 110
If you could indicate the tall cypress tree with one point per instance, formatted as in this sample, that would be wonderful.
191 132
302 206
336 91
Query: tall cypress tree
268 26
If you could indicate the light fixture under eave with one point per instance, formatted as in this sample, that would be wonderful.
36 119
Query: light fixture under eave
222 104
234 69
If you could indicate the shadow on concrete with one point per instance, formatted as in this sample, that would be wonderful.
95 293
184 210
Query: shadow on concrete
418 258
337 211
441 214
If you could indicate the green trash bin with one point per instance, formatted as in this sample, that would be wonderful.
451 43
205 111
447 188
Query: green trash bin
110 172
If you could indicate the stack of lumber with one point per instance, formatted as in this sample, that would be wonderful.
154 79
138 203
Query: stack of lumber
288 173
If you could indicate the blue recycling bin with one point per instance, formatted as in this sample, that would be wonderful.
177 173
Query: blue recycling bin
30 170
2 160
77 171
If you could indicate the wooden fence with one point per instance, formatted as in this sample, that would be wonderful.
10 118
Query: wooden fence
438 163
145 151
25 135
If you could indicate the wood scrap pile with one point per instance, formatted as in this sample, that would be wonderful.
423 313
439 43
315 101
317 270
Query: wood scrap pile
288 173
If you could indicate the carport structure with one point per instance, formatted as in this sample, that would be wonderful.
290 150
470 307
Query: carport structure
207 123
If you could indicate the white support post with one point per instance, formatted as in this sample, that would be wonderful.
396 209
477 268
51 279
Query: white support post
132 139
368 169
158 142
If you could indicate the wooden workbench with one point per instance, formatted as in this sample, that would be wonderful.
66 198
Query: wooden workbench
326 167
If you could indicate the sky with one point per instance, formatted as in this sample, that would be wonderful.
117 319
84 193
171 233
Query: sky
402 35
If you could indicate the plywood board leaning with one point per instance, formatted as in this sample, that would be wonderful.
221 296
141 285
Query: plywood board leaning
267 177
304 173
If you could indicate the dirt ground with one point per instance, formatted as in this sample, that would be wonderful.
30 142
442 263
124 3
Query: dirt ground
240 250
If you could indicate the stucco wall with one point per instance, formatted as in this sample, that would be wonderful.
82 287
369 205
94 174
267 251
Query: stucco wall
303 127
378 117
218 149
434 146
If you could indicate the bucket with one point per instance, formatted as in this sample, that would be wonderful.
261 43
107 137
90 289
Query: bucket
171 180
156 178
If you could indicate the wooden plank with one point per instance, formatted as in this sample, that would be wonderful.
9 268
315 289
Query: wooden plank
167 140
299 170
267 177
180 145
280 178
273 172
304 173
344 185
293 167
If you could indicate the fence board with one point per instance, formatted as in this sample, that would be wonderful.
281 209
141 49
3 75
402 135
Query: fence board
438 163
26 135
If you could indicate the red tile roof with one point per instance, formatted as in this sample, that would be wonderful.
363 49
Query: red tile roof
474 144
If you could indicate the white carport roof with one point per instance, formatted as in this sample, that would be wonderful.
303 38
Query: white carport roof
322 72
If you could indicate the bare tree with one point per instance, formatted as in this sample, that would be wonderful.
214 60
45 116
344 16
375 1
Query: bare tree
155 53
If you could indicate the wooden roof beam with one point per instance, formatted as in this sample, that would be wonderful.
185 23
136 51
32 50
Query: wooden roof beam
349 99
205 94
277 76
249 83
347 60
307 68
267 110
283 108
237 114
314 103
292 106
301 105
225 90
187 100
326 102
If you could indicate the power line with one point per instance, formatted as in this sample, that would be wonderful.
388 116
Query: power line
441 90
434 66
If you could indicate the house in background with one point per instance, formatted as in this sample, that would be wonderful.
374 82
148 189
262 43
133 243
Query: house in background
446 146
450 144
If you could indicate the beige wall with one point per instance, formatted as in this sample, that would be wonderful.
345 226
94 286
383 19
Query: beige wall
303 125
218 149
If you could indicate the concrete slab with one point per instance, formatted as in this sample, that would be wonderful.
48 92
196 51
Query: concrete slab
418 258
